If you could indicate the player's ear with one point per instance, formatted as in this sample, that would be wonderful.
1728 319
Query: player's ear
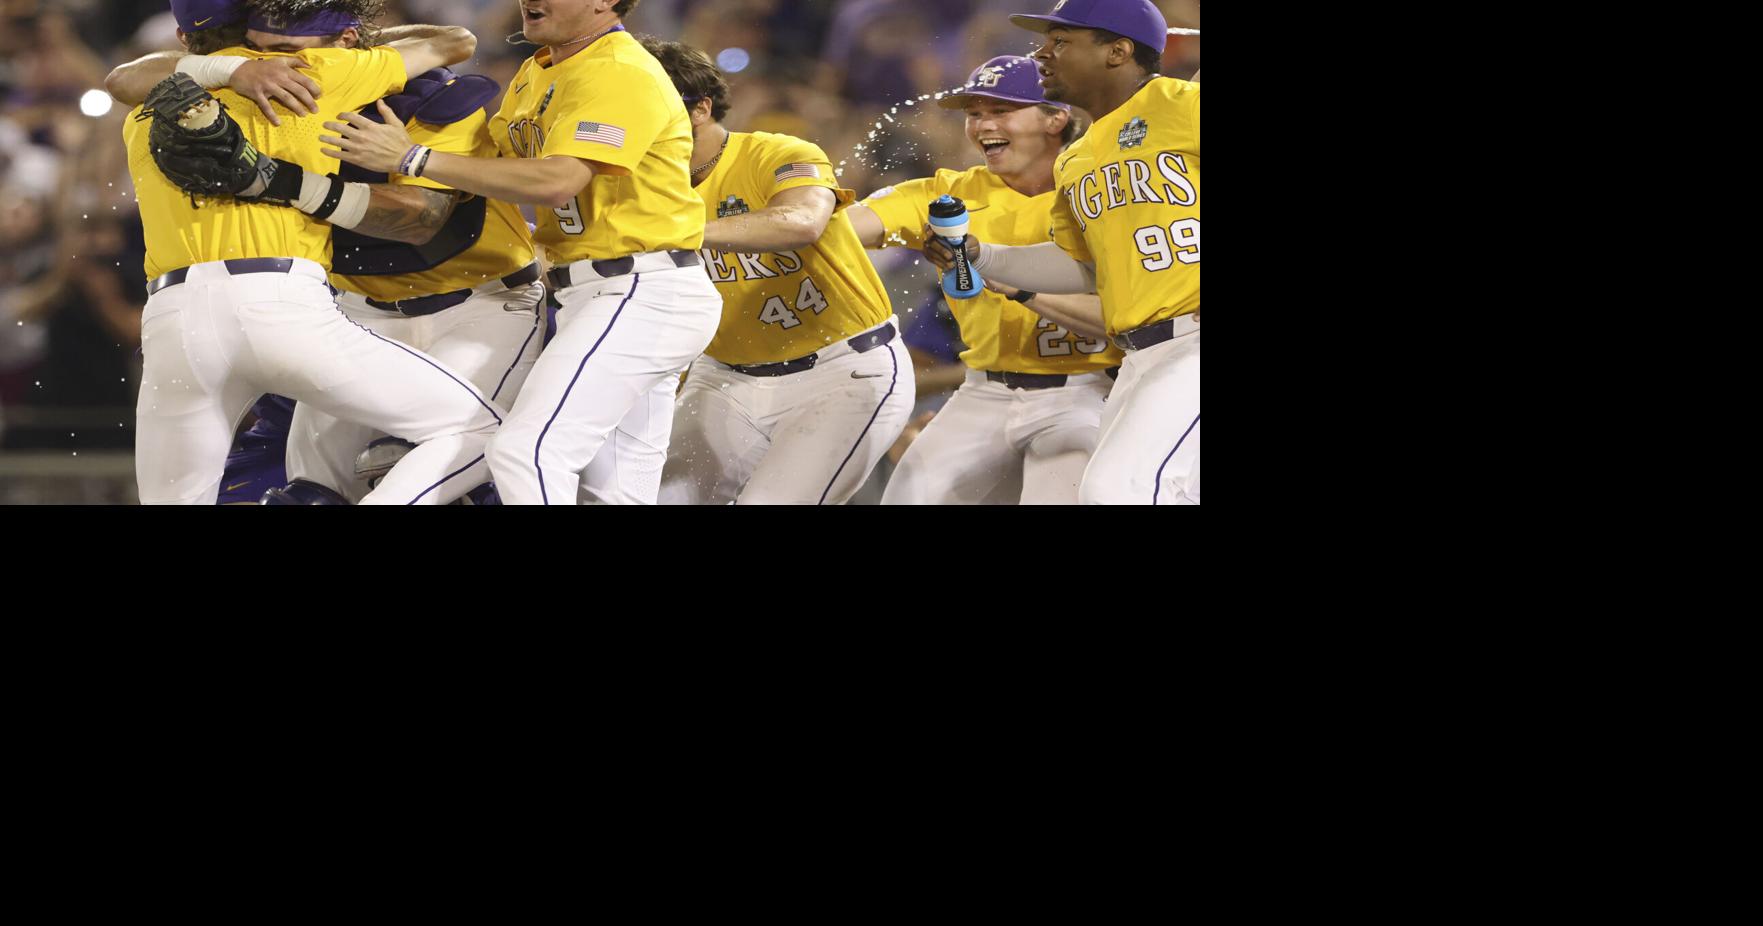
1120 52
183 38
701 112
350 38
1057 122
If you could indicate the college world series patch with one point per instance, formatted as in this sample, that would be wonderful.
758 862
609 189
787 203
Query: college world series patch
1134 132
730 206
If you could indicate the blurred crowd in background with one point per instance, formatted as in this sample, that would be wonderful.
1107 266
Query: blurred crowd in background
71 285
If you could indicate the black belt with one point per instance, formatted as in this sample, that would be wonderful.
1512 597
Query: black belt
868 340
235 266
558 277
429 305
1148 336
1027 380
1038 380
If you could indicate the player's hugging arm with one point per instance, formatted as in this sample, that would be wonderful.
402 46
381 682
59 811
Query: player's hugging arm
552 182
1041 268
261 80
411 214
868 226
1081 313
424 48
795 218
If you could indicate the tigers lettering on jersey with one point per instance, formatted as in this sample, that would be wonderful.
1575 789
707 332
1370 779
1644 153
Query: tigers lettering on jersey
788 304
1130 204
1101 190
1001 336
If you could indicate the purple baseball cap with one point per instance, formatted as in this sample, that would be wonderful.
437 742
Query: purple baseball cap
1138 20
320 22
196 15
1011 78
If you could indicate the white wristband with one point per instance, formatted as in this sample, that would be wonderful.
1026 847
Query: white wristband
353 207
211 71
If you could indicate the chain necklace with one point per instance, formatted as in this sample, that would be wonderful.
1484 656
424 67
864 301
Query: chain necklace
712 162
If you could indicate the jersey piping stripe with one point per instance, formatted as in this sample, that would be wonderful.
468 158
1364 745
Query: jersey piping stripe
884 401
522 352
450 475
544 497
1158 485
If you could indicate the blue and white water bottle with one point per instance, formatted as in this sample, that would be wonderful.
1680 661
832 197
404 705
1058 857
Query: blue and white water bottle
948 218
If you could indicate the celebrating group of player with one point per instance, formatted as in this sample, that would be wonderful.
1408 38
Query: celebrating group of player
397 299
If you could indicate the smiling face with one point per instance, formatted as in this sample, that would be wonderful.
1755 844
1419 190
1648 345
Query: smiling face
1013 136
553 22
1071 64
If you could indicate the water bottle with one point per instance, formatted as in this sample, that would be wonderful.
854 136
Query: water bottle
948 218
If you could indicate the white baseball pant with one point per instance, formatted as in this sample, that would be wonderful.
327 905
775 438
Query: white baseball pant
1149 453
492 340
602 391
804 438
989 434
229 333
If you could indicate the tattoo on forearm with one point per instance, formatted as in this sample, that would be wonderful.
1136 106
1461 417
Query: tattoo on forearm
409 214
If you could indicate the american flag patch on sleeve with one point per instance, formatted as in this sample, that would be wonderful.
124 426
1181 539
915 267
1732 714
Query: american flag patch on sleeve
793 171
610 135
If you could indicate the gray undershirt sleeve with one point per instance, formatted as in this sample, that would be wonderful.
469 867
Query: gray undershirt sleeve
1041 268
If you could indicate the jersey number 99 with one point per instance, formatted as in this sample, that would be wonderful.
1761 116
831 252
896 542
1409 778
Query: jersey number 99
1184 233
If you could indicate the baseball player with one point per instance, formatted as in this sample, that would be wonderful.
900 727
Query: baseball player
1127 225
238 304
807 383
465 290
593 131
1031 408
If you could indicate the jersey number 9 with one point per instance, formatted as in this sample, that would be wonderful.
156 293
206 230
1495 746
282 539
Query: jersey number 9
569 218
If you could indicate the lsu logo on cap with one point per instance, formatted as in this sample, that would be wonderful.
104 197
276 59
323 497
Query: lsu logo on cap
989 77
1057 6
1133 134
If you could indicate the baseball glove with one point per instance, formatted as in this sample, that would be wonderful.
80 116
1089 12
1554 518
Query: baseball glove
201 149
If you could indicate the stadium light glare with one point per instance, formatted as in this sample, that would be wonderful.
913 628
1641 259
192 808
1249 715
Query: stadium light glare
95 103
733 60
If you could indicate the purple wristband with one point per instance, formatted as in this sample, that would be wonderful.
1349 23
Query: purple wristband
410 158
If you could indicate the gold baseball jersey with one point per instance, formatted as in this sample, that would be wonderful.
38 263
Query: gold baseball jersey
1001 336
1130 204
612 104
182 230
787 304
503 246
